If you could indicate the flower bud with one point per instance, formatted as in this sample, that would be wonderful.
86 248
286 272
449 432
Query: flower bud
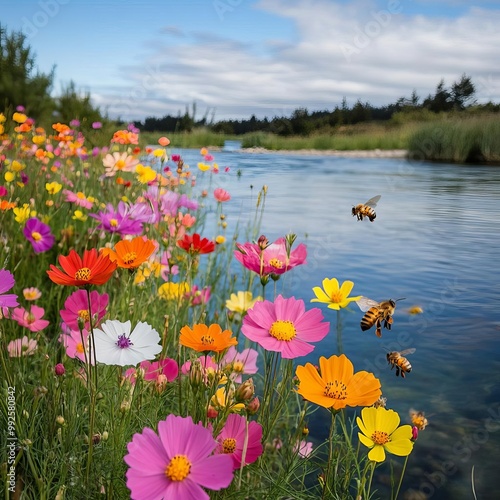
161 383
253 407
59 369
125 406
414 433
60 420
212 412
245 391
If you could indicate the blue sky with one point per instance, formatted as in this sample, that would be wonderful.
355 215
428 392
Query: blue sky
235 58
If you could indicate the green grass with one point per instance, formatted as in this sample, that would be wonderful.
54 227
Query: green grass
474 139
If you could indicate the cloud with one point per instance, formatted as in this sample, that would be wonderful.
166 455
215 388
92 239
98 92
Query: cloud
376 53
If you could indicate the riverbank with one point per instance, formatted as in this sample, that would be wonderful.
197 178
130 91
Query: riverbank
373 153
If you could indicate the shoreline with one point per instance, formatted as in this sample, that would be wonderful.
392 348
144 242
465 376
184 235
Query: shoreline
369 153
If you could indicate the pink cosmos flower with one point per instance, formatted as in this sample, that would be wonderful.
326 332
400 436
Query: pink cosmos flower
76 343
153 369
32 319
76 309
119 162
231 440
79 199
7 281
238 363
39 235
175 463
304 448
21 347
271 260
32 293
285 326
221 195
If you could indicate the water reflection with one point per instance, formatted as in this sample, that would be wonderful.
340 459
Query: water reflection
435 241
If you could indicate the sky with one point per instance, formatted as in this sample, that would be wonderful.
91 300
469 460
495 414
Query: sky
238 58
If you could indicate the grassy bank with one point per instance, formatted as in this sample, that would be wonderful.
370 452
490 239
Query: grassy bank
471 140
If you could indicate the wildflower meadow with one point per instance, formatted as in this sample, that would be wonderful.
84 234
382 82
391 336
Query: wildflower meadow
145 349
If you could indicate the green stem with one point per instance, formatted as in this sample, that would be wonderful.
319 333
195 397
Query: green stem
326 487
374 464
401 478
243 454
339 333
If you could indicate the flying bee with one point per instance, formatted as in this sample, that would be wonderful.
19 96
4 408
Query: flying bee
376 313
398 360
366 209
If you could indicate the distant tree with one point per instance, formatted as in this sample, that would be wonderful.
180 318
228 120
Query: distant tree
73 104
441 101
21 83
462 92
301 122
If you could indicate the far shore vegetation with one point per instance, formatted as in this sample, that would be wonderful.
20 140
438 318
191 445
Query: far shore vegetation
449 125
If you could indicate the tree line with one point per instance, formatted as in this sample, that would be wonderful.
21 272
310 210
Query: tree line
22 83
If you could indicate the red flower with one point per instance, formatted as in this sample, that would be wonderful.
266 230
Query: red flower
195 245
93 269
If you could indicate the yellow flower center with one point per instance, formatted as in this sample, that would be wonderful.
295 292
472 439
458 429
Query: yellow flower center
336 297
283 330
229 445
83 274
238 366
120 164
379 437
178 468
207 340
80 195
84 314
113 222
128 258
335 390
36 236
276 263
79 348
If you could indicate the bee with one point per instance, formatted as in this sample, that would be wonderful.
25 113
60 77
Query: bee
418 419
398 360
376 313
366 209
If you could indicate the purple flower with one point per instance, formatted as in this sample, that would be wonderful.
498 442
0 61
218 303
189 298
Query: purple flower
120 220
39 235
7 281
3 191
96 125
74 123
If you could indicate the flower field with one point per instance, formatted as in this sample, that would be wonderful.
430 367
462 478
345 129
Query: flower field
144 352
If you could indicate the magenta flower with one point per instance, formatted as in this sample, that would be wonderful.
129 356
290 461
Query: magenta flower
21 347
76 309
272 259
175 463
79 199
167 367
76 343
231 440
285 326
120 220
235 363
96 125
7 281
39 235
32 319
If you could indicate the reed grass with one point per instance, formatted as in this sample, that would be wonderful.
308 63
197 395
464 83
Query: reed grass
474 139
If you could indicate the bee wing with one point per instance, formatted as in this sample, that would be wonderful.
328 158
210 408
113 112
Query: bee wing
364 303
407 351
372 202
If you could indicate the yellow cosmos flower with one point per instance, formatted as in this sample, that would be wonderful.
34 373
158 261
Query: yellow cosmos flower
242 301
9 176
203 167
333 295
2 129
223 399
380 432
22 214
220 239
2 118
17 166
173 291
79 215
19 117
53 187
145 174
159 153
336 385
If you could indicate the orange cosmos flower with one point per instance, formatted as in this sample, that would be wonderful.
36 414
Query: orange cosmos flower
203 338
130 254
336 385
93 269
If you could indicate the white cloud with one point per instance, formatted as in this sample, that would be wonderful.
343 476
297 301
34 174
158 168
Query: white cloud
374 53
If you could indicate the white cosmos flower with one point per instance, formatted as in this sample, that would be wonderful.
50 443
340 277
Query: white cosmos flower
115 345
